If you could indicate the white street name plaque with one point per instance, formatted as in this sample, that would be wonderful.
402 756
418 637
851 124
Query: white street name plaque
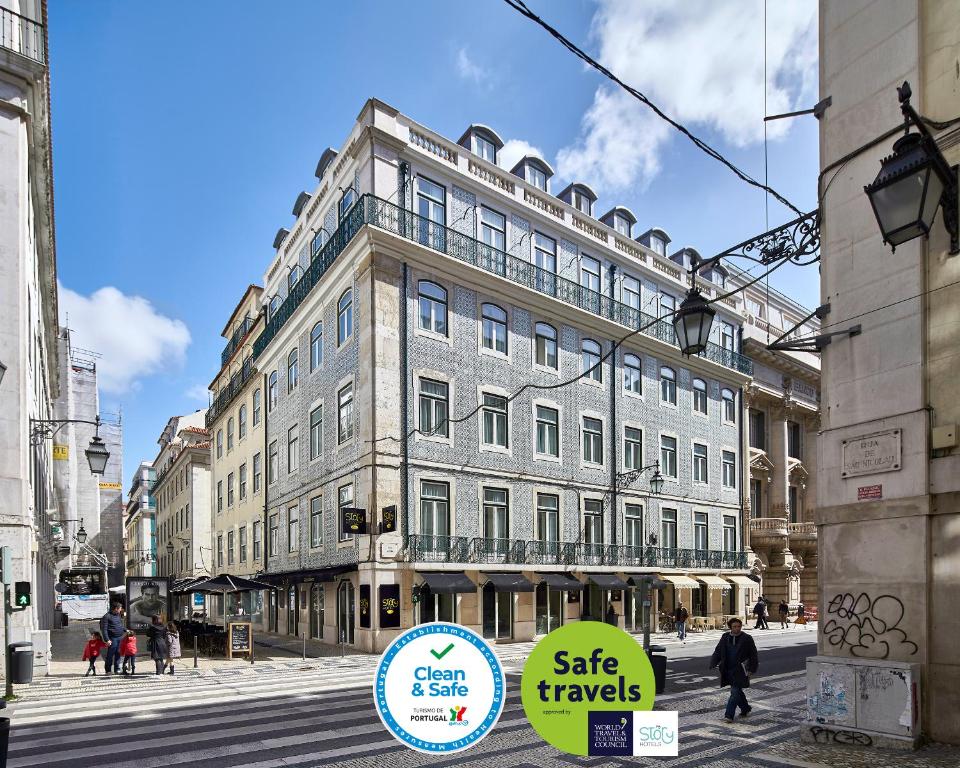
870 454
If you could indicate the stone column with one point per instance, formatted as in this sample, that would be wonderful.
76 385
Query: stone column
777 451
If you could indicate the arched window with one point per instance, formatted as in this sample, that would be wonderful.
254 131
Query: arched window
242 421
433 307
316 346
293 369
590 360
219 443
272 391
546 346
700 396
668 385
729 406
632 374
344 317
230 434
494 328
256 406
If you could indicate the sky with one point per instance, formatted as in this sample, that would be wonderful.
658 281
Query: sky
183 132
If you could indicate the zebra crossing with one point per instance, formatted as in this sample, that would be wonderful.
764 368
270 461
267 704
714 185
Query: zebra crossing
317 713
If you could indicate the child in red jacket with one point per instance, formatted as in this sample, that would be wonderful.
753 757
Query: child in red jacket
128 650
91 651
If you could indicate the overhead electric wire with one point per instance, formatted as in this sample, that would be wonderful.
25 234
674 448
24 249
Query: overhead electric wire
521 7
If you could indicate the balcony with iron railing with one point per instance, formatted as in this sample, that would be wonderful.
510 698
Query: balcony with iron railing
22 35
484 551
229 392
236 340
410 226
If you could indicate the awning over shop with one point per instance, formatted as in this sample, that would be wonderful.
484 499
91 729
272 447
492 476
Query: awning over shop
510 582
608 581
680 582
742 581
313 574
714 582
183 586
561 581
448 582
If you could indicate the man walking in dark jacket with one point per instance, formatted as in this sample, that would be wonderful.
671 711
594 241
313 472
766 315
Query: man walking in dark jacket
112 631
736 655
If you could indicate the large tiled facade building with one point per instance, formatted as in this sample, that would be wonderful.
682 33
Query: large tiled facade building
471 370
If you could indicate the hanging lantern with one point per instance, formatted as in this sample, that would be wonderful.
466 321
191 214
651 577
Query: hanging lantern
692 323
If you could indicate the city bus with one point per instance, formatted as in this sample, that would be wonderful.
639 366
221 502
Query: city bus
83 592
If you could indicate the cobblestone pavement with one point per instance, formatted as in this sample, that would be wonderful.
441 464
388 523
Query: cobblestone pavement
320 713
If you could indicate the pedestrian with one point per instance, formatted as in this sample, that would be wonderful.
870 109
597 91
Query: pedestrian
611 617
784 610
680 622
128 649
158 639
758 611
91 652
736 655
112 631
173 644
802 616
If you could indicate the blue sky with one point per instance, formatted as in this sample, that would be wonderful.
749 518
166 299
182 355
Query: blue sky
184 131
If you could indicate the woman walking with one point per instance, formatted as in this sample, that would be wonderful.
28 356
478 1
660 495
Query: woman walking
173 644
159 640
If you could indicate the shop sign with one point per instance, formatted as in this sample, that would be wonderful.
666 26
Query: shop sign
61 452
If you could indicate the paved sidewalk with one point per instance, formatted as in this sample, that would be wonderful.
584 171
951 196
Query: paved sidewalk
836 756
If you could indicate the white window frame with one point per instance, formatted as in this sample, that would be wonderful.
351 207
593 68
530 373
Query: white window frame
693 462
483 350
556 341
347 309
676 439
723 405
594 416
425 373
314 406
705 413
623 436
419 330
496 392
341 386
596 378
660 378
558 459
623 371
728 449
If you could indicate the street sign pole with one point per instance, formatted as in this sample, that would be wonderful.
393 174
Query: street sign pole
7 671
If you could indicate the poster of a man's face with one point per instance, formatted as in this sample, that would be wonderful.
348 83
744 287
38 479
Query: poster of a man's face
147 596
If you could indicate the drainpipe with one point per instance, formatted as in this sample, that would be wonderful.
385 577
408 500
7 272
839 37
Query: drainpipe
404 406
613 424
744 481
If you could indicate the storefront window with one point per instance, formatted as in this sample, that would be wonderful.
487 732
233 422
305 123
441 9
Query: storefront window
437 607
497 613
549 608
345 612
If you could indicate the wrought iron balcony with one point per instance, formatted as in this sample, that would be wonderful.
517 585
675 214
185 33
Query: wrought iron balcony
438 549
459 549
406 224
238 335
551 552
229 392
497 550
22 35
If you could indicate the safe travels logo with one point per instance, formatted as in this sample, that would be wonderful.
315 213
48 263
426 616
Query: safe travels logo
429 678
588 688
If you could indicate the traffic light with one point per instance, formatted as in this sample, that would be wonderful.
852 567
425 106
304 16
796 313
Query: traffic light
21 594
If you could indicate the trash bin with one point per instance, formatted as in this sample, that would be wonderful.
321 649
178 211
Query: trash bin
658 661
20 662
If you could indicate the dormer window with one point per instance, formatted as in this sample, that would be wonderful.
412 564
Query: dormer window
621 224
581 202
484 148
658 245
537 177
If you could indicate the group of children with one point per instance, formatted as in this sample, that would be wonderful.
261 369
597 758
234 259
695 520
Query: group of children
128 650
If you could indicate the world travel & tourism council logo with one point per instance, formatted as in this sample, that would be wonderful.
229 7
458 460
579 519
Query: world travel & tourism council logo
427 681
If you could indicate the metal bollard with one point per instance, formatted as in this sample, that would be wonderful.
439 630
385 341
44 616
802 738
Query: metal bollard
303 655
194 651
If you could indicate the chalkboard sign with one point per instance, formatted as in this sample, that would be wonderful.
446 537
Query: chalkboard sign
241 638
573 596
389 601
365 606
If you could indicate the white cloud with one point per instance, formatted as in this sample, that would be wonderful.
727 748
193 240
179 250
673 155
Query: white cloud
135 340
468 69
198 392
701 61
513 150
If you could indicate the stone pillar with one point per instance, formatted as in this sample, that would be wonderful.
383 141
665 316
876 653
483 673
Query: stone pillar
777 450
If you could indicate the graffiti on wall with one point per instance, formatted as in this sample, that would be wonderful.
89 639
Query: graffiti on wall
869 628
823 735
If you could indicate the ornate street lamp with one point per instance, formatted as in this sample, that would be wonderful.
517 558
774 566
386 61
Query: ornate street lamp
97 455
913 183
692 323
81 534
656 483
